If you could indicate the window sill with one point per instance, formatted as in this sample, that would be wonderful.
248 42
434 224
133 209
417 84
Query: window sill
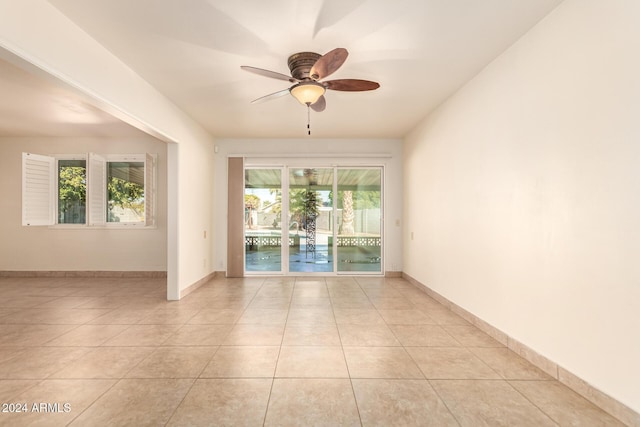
103 227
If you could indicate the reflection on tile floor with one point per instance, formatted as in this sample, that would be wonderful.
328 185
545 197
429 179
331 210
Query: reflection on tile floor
262 351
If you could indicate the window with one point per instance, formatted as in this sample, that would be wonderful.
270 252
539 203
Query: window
94 190
72 191
125 192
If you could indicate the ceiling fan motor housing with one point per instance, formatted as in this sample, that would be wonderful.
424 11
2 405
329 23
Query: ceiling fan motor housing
300 64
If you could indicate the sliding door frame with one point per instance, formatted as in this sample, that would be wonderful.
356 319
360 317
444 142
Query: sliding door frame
285 165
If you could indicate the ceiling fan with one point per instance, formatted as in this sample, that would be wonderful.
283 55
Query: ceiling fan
307 71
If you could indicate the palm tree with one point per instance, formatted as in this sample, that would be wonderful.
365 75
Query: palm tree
276 206
347 213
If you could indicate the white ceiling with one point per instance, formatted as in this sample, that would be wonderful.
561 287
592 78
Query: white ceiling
31 105
420 51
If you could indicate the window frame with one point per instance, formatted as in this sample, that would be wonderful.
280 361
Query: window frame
96 192
143 158
57 190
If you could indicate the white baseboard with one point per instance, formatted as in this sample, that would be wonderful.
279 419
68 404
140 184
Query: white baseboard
103 274
186 291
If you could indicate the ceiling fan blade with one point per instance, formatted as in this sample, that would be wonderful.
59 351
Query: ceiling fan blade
351 85
271 96
328 63
267 73
319 105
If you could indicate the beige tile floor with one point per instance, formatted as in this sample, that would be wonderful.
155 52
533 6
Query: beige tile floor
261 351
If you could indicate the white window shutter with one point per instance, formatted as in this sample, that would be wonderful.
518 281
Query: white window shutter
97 190
149 189
38 189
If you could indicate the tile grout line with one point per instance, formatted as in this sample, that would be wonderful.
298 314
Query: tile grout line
116 382
423 374
374 290
157 347
416 363
531 402
275 368
353 390
435 390
173 413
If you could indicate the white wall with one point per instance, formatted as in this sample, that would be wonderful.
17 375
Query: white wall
523 194
387 153
38 33
196 199
79 249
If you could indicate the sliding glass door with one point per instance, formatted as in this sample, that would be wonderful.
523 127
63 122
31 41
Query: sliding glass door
329 219
359 240
263 220
311 218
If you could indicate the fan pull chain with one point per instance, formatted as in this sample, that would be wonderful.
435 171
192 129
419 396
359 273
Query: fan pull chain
308 118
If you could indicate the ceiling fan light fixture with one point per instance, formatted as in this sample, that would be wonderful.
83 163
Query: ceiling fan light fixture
307 93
